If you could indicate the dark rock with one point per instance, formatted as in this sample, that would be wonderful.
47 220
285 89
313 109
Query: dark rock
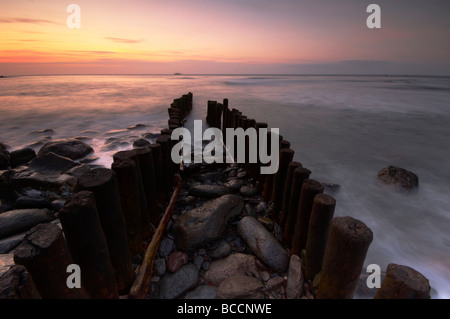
16 283
275 282
4 157
9 243
20 220
57 204
202 292
71 148
174 285
52 163
248 191
398 178
137 127
206 223
219 250
235 184
176 260
263 244
141 143
24 202
165 247
22 156
160 266
6 205
151 135
240 287
47 131
209 191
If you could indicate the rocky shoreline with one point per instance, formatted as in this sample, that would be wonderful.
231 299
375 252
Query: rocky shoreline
225 238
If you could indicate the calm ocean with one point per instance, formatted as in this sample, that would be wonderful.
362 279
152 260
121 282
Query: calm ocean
343 128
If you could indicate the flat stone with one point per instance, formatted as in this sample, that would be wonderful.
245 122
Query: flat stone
205 223
172 285
240 287
233 265
209 191
202 292
20 220
263 244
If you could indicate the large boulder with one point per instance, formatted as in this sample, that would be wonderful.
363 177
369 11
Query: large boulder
71 148
206 223
398 178
20 220
22 156
240 287
263 244
234 265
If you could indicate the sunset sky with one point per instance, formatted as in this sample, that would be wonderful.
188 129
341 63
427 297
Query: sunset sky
224 36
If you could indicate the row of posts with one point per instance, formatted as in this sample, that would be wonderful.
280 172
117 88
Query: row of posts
332 247
104 224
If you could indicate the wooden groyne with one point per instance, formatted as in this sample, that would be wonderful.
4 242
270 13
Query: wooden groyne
117 218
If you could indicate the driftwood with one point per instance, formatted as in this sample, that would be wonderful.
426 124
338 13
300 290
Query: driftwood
141 285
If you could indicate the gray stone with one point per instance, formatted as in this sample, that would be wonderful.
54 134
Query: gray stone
198 261
202 292
9 243
263 244
248 191
205 223
275 282
174 285
398 178
294 285
240 287
261 208
235 184
209 191
233 265
20 220
220 250
71 148
29 202
165 247
250 211
160 266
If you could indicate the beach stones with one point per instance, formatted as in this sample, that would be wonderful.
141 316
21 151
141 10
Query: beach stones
4 157
71 148
206 223
173 285
398 178
22 156
209 191
240 287
263 244
16 221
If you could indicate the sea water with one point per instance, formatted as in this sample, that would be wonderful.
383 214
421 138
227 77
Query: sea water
343 128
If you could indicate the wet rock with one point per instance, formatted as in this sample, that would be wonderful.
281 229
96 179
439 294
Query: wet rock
71 148
398 178
248 191
202 292
47 131
240 287
233 265
209 191
294 285
4 157
165 247
174 285
151 135
263 244
206 223
30 202
22 156
176 260
9 243
20 220
137 127
141 143
6 205
219 250
159 267
235 184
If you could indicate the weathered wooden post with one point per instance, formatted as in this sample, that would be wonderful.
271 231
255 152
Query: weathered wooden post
17 283
259 177
319 228
300 175
165 141
128 182
102 183
346 250
403 282
146 227
310 189
286 157
88 246
287 191
45 255
159 175
145 156
268 180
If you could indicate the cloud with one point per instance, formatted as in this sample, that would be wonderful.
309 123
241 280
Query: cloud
123 40
27 20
